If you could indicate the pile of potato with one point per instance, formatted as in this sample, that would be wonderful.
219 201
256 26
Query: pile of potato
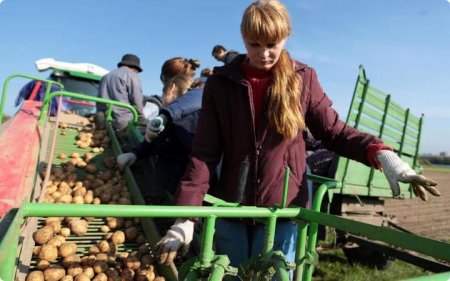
58 259
96 188
59 256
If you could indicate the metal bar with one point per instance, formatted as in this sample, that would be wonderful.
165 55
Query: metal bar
269 236
285 188
409 241
313 228
380 135
9 78
206 252
219 268
72 210
8 243
405 125
48 98
301 250
419 135
435 277
406 256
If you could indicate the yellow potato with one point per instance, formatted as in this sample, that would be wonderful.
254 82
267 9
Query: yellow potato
35 276
43 235
54 273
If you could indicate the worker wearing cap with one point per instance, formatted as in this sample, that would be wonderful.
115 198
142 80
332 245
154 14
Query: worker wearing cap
124 85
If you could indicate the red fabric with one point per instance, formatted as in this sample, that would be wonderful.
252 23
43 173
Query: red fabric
20 140
372 153
259 81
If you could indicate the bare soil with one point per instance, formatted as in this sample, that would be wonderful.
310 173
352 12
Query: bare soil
430 219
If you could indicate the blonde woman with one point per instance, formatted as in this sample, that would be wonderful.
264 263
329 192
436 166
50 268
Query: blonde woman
257 109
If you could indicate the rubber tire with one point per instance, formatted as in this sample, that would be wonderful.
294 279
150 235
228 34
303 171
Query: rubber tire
367 257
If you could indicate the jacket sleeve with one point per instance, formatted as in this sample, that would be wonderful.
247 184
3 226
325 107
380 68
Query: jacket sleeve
184 105
324 123
135 94
143 149
206 153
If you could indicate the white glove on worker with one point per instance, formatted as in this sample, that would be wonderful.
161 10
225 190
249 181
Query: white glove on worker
126 159
395 170
154 127
178 236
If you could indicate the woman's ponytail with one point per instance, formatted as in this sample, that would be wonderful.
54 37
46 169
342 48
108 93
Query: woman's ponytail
284 106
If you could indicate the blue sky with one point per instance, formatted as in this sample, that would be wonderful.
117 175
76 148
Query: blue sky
404 45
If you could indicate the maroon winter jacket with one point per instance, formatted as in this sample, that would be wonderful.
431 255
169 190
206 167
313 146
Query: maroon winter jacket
225 128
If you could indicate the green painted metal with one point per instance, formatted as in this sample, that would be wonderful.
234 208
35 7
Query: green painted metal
18 75
9 242
285 184
88 76
110 103
433 248
207 253
445 276
300 254
416 165
440 250
314 226
374 112
160 211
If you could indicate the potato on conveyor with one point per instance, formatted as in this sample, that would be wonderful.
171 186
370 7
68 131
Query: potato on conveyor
54 273
35 276
67 249
43 235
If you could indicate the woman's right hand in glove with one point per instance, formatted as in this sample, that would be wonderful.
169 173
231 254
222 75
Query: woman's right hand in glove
126 159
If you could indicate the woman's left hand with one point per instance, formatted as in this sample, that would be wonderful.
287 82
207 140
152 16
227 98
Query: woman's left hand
396 170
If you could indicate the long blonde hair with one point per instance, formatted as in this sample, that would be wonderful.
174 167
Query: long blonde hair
268 21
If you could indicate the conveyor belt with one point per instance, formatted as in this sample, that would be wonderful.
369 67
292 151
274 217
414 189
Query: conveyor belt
66 143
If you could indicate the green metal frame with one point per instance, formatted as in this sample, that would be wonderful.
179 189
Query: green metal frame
374 112
72 95
18 75
84 75
9 242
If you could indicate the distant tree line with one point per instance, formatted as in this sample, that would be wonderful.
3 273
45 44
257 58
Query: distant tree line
435 159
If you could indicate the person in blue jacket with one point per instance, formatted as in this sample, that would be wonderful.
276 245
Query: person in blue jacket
36 90
173 145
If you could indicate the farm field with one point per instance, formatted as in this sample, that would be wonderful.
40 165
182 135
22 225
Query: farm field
429 219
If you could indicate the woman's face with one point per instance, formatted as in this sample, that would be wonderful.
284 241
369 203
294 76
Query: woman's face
264 55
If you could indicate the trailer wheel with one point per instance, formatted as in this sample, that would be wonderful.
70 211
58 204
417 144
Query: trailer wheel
357 254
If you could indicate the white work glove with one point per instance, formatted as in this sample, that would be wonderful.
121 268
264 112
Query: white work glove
126 159
178 236
154 127
395 170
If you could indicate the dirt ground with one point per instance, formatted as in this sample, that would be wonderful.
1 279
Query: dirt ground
432 218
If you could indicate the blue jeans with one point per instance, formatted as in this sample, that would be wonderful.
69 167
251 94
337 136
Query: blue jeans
240 241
